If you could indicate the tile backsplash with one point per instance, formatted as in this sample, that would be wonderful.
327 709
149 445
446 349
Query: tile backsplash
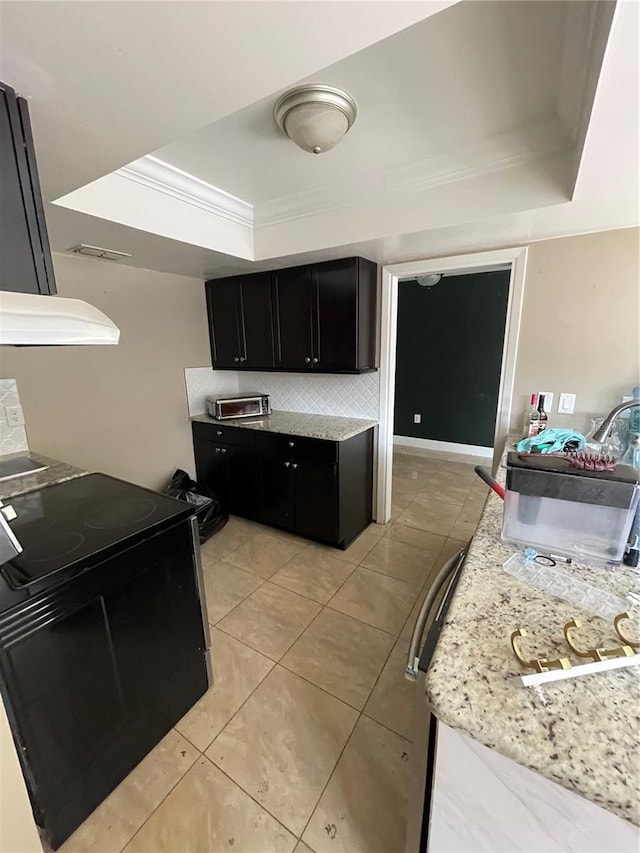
342 395
13 439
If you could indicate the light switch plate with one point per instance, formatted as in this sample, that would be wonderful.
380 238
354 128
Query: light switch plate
566 404
417 419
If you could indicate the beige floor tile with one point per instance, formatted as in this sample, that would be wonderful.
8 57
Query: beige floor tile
225 586
359 549
270 620
314 573
301 847
283 744
119 817
393 698
471 510
446 488
237 671
430 514
234 533
372 775
463 529
263 554
207 813
341 655
407 630
428 542
450 547
376 599
402 561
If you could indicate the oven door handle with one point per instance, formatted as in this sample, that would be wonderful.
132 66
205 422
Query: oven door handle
446 573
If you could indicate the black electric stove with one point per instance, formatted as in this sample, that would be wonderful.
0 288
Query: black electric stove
103 638
67 528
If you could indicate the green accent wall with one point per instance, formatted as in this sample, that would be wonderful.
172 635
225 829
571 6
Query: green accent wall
449 356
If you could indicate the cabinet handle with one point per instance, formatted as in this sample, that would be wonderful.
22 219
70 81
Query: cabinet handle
218 450
236 359
308 360
292 444
242 358
218 432
294 464
315 360
224 450
286 464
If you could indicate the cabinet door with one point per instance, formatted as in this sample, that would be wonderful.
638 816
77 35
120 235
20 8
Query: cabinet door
316 500
277 491
244 478
257 321
223 308
294 318
211 468
24 246
336 292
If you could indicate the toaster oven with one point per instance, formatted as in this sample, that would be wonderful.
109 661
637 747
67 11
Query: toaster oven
239 406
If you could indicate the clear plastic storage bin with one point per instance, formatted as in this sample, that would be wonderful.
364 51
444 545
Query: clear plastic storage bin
557 509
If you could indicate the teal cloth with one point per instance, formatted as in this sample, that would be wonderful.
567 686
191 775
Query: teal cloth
551 441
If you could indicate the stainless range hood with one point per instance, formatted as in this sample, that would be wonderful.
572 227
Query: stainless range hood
28 319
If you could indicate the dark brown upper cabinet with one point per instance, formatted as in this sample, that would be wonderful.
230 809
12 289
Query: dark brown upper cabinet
319 317
326 316
240 311
25 264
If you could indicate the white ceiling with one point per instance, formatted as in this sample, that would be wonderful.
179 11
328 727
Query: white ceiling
473 125
455 81
111 81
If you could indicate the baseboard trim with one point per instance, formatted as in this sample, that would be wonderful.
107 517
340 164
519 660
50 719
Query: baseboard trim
444 446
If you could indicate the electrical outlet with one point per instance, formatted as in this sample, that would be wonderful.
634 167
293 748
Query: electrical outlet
417 419
14 415
566 404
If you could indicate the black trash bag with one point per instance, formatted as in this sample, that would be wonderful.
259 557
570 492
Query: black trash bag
208 510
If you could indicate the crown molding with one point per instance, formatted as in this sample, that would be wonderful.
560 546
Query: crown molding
507 151
157 175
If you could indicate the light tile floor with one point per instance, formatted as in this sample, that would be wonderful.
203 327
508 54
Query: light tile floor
303 742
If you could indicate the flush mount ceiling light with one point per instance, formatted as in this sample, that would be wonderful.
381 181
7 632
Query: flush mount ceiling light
315 116
429 280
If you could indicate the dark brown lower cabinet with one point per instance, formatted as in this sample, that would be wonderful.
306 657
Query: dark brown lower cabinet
321 490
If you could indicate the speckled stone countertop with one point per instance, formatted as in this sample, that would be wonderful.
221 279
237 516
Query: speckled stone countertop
583 733
56 472
327 427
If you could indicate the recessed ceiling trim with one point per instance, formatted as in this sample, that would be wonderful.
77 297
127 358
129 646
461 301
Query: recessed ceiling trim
504 152
157 175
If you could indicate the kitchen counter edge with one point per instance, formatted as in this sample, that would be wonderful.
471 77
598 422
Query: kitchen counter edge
324 427
56 472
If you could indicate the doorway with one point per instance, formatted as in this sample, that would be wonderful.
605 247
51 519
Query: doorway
513 262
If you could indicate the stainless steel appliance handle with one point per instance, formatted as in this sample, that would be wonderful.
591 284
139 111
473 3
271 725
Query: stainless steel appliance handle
445 573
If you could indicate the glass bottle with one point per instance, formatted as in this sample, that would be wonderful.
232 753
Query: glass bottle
611 447
531 418
542 415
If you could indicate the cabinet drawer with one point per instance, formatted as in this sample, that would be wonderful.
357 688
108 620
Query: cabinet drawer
225 434
297 447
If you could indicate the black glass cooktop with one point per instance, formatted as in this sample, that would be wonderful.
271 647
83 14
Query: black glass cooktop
73 523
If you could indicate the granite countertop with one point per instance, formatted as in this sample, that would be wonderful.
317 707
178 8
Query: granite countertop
56 472
582 733
327 427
